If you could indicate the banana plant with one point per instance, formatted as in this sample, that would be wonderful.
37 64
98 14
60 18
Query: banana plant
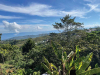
71 62
82 65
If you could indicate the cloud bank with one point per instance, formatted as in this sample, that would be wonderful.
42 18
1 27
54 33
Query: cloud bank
12 26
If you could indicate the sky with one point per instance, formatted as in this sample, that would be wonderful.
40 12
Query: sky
20 16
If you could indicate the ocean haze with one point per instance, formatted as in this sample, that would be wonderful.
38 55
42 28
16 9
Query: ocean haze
6 36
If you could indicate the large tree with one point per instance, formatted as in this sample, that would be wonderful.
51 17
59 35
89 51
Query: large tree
68 24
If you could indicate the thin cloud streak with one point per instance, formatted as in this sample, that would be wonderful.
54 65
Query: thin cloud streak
43 10
9 17
89 0
93 1
94 7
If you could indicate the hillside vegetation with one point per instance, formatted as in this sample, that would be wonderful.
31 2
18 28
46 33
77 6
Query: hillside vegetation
74 51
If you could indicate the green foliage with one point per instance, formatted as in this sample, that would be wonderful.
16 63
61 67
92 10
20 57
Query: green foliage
14 42
28 46
8 46
93 37
67 23
96 66
20 60
36 73
49 67
19 72
80 65
6 69
3 53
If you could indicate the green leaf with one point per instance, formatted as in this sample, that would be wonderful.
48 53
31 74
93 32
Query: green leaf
46 68
85 63
91 72
54 66
46 61
96 66
77 52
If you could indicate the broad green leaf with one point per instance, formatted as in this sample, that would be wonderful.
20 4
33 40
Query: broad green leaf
91 72
96 66
85 63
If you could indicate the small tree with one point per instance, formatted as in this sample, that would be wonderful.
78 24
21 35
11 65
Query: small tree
28 46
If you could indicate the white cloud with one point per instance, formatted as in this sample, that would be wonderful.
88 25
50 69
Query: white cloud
16 28
92 7
39 27
36 27
31 21
8 17
35 21
91 25
77 13
93 1
33 9
89 0
11 26
42 10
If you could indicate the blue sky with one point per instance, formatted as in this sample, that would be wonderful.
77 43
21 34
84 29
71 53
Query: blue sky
17 16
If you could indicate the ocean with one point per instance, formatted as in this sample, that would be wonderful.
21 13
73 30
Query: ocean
6 36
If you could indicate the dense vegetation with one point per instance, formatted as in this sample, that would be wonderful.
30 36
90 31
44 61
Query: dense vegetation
25 57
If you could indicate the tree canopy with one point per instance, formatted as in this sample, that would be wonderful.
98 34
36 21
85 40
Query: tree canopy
68 24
